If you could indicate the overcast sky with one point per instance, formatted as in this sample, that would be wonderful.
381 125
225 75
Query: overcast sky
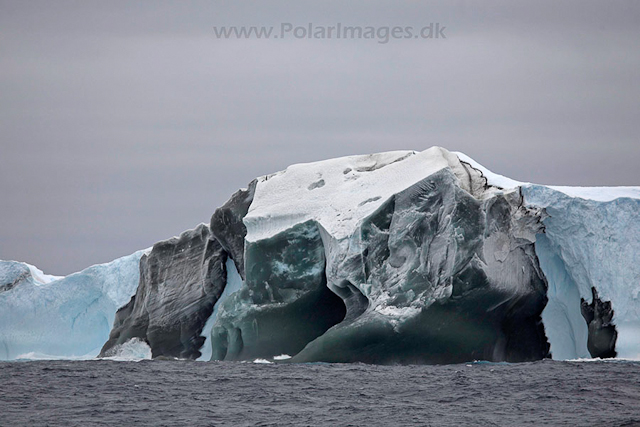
124 123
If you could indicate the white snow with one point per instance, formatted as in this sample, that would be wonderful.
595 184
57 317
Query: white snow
601 194
282 357
40 278
492 178
338 193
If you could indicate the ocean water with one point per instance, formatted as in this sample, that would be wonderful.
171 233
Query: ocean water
181 393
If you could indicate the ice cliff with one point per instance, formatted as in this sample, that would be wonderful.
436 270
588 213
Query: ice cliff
399 257
51 317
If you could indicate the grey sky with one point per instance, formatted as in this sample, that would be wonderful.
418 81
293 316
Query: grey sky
124 123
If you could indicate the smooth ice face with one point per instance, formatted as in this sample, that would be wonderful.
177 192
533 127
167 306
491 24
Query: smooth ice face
234 283
589 244
67 317
564 325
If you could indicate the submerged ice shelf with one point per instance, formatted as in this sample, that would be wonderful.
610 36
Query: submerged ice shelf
399 257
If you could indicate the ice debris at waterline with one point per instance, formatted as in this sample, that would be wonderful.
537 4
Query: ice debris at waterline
398 257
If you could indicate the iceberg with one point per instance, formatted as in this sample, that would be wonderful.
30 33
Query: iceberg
62 317
398 257
180 281
590 246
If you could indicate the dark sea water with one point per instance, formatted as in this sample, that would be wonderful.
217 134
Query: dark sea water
165 393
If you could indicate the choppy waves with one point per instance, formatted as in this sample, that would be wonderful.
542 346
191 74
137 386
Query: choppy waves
181 393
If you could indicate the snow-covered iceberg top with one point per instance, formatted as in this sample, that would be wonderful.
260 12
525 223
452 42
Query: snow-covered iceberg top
599 194
339 193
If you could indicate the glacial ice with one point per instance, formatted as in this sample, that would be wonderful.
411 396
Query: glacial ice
399 257
591 239
284 302
47 317
590 243
412 243
234 283
181 280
